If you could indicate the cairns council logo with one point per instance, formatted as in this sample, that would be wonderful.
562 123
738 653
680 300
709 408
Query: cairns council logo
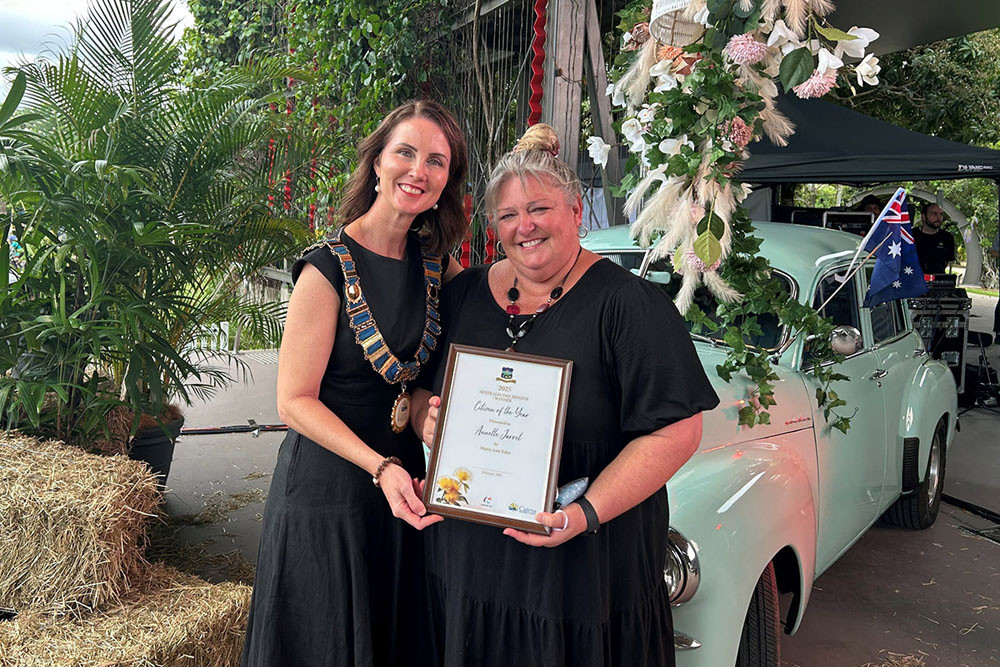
507 375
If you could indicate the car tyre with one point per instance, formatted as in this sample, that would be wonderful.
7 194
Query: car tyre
760 642
919 509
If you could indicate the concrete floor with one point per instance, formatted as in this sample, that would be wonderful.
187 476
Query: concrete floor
933 594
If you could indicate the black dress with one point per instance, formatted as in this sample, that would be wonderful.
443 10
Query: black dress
340 581
597 599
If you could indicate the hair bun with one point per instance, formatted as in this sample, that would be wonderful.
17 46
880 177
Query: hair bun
539 137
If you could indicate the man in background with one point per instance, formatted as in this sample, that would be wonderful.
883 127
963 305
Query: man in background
871 204
935 248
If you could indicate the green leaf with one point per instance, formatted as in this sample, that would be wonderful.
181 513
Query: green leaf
833 34
748 416
707 248
795 68
740 12
717 226
14 96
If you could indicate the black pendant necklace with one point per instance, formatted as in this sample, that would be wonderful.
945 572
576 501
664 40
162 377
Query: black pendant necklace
518 331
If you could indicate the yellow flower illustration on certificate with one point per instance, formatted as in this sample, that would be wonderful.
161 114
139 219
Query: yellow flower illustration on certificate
451 489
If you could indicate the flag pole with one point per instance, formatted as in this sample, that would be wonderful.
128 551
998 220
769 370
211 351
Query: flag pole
845 281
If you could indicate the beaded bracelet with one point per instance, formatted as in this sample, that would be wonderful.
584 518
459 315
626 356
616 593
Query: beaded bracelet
382 466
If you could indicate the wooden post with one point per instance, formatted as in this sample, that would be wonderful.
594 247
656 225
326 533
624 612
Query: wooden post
563 80
600 108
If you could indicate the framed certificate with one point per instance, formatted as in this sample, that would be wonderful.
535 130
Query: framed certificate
495 456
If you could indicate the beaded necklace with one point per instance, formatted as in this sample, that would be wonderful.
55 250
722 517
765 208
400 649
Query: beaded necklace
517 332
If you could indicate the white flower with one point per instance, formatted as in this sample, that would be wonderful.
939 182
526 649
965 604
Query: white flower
702 17
867 70
660 68
671 146
665 82
639 146
632 130
616 94
598 150
828 61
626 38
647 113
855 48
781 34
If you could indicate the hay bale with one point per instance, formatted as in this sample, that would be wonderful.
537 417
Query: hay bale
169 620
72 525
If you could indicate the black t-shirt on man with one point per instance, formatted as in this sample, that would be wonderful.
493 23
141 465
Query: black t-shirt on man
934 250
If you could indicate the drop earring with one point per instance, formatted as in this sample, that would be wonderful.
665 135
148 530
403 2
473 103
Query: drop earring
376 187
435 207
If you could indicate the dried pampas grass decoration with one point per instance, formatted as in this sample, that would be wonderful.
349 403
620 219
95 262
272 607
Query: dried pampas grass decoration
636 80
821 7
776 126
770 10
796 15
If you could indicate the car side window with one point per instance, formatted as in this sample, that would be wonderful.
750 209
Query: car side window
888 319
660 272
843 307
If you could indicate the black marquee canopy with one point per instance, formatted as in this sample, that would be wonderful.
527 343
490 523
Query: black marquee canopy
833 144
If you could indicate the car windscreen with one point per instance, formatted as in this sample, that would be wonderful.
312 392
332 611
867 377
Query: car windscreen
661 274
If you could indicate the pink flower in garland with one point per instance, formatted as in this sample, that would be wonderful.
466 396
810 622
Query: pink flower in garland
818 85
745 50
696 263
739 132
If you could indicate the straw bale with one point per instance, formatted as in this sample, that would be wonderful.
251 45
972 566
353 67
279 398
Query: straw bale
170 620
72 525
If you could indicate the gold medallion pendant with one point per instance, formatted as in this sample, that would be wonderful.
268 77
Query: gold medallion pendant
401 412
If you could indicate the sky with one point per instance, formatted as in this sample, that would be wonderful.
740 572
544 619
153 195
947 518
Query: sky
28 26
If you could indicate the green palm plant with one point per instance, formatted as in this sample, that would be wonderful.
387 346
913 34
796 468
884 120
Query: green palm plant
142 206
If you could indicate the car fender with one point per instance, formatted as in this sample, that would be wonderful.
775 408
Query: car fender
930 395
716 502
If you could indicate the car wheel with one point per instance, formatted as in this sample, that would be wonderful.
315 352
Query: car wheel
919 509
760 643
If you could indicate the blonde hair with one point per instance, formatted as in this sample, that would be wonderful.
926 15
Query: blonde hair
535 154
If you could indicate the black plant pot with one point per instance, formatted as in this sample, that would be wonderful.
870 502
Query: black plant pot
156 448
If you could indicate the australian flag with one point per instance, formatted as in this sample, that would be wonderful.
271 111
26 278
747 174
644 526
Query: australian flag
897 273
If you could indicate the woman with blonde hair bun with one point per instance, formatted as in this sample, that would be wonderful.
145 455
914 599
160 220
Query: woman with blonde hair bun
592 592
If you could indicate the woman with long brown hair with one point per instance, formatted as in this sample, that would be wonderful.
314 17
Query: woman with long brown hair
340 568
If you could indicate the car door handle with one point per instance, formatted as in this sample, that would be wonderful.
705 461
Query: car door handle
920 352
878 374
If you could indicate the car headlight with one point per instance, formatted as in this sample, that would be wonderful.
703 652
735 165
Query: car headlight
682 572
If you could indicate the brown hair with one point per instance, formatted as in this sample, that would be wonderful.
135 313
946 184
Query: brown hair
441 229
535 154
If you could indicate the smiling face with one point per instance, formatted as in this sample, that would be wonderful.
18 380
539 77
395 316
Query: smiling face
412 169
537 227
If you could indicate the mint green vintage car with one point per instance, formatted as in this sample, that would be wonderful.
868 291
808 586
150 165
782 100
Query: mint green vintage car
758 513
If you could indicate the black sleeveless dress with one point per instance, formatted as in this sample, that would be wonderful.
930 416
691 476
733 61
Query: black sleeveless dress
597 600
340 581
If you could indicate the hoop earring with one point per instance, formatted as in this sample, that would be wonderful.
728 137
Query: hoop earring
582 231
498 249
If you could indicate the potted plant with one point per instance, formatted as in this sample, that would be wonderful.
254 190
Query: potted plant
140 205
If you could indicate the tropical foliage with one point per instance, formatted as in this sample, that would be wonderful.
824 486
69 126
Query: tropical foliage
364 57
140 204
947 89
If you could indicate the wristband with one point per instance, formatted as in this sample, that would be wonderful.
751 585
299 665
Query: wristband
382 466
593 522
